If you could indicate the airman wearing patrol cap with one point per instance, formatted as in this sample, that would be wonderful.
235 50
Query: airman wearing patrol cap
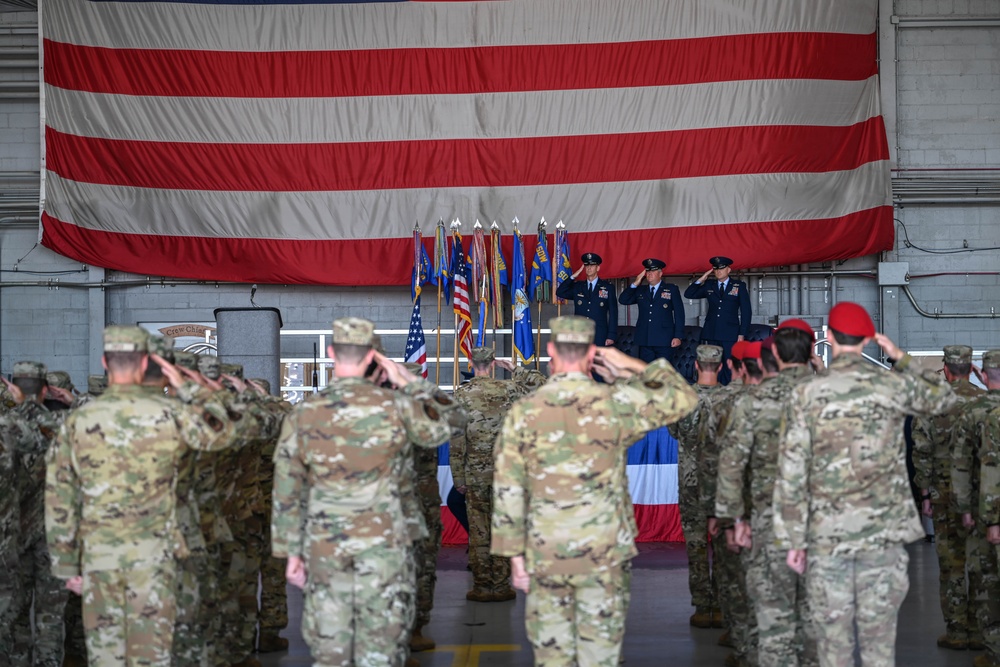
593 298
729 310
659 326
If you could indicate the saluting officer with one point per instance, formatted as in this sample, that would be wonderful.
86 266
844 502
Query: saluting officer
660 324
593 298
729 311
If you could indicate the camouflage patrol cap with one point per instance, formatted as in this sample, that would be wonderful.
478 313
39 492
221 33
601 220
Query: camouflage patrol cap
34 370
353 331
209 366
60 379
416 369
709 353
188 360
236 370
96 384
957 354
991 359
483 355
572 329
264 384
119 338
162 346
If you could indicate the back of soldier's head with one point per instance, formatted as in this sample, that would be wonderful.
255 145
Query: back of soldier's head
793 346
572 337
352 338
60 379
263 384
958 361
124 348
991 367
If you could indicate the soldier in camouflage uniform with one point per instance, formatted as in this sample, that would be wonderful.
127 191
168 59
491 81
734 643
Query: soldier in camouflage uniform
559 492
748 462
932 460
693 520
842 494
96 385
989 516
337 510
111 519
969 440
42 599
486 400
12 426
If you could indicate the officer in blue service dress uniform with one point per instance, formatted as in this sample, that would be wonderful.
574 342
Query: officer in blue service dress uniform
729 311
659 326
593 298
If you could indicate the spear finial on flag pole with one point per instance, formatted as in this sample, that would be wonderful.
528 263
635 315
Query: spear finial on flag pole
441 273
539 267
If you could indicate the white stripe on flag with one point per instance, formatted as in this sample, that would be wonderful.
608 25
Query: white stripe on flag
653 484
445 482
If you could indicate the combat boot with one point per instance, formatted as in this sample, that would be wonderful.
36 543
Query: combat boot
420 643
412 662
944 641
701 618
717 620
725 640
504 595
477 595
270 642
976 644
985 661
247 662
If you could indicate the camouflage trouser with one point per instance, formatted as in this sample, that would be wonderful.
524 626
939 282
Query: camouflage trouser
9 591
357 609
866 588
273 596
426 555
577 620
207 620
129 616
410 617
784 633
490 574
694 523
190 648
249 612
951 540
984 560
75 644
48 594
730 573
235 603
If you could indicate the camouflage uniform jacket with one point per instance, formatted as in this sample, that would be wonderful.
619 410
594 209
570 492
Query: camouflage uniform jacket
336 481
11 426
989 471
710 433
33 445
750 449
968 437
486 401
842 486
932 441
559 496
685 432
110 492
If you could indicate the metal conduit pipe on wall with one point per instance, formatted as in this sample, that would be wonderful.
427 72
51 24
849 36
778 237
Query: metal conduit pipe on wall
948 316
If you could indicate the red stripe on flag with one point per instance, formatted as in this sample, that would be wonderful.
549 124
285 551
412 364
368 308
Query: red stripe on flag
465 162
443 71
349 262
658 523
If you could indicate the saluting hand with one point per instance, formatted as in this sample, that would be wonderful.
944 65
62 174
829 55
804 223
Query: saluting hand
504 364
577 272
14 390
891 350
75 584
705 275
239 384
796 560
639 278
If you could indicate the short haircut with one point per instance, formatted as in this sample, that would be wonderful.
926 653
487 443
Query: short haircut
572 352
993 375
767 358
708 366
793 346
481 366
737 363
350 354
119 362
753 368
30 386
846 339
959 370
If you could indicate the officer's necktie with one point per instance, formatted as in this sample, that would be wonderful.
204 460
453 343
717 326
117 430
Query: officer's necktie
590 289
652 290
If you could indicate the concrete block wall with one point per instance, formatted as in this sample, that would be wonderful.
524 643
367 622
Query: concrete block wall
19 123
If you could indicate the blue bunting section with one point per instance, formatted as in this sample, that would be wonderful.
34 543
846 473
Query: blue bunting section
652 476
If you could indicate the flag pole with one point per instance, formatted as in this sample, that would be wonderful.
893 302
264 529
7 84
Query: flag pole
496 291
439 259
538 328
455 225
417 257
560 236
515 354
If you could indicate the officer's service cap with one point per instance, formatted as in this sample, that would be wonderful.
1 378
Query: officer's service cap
592 258
709 353
353 331
851 319
162 346
737 350
957 354
752 350
235 370
119 338
991 359
96 384
572 329
653 264
33 370
188 360
483 355
209 366
59 379
720 262
796 323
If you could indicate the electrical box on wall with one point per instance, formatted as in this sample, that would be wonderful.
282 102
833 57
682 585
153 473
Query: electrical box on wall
893 273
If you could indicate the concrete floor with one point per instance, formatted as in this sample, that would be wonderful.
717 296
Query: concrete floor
471 634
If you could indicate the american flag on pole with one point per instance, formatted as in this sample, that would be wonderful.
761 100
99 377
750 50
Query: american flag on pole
460 276
266 141
416 346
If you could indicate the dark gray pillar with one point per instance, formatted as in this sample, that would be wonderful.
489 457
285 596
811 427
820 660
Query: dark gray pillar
251 337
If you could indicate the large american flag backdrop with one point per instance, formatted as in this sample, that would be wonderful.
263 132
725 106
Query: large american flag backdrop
298 143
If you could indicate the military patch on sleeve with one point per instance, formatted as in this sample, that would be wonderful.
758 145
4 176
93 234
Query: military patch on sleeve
213 422
653 384
431 412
